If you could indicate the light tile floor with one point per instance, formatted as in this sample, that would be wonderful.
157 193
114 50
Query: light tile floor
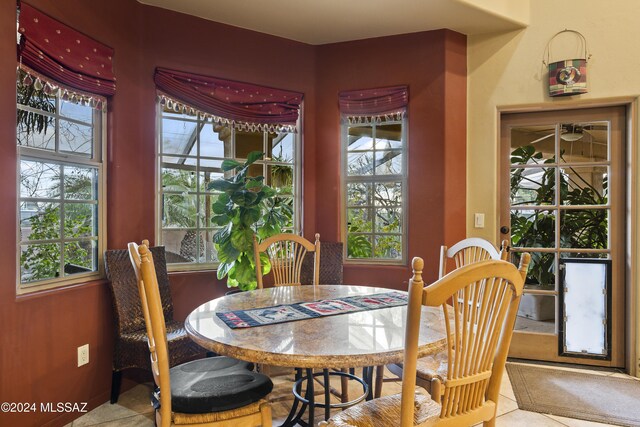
133 408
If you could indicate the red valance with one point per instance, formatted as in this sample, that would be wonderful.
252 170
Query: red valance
374 102
235 101
63 54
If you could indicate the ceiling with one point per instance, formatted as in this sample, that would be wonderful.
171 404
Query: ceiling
329 21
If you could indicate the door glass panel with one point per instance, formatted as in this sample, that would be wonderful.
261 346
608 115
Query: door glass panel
533 186
533 228
584 229
532 144
584 185
584 142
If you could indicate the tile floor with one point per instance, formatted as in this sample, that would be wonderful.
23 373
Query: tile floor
133 408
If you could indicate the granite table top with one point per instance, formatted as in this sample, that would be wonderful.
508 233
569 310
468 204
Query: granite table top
365 338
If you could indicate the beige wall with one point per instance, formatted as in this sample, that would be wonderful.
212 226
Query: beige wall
506 70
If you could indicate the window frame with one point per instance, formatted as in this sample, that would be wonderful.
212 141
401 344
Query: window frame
297 182
402 178
26 153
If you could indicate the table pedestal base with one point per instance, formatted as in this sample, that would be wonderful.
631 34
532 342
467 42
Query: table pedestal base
308 401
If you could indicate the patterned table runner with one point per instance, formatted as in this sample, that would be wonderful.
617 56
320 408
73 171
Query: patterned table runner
308 310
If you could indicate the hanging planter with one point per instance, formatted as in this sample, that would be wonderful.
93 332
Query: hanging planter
568 76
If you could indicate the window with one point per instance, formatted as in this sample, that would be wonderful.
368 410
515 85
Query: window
191 150
375 180
60 212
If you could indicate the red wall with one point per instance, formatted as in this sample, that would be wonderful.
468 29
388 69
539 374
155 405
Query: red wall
40 332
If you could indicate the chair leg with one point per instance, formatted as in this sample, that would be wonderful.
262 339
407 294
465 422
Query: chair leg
344 387
379 381
116 380
265 415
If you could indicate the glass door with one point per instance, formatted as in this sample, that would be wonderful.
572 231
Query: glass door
562 198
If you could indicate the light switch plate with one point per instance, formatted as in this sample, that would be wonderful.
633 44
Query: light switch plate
479 220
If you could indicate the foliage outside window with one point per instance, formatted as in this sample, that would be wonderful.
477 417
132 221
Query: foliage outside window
375 181
60 162
192 150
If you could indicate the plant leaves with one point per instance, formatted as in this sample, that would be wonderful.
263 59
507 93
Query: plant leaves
220 219
229 164
250 216
242 239
223 269
224 185
244 197
222 235
245 271
226 252
253 157
265 263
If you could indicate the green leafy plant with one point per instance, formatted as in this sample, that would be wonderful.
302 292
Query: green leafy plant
42 261
579 229
246 207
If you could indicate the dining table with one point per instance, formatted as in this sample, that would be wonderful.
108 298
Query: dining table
366 338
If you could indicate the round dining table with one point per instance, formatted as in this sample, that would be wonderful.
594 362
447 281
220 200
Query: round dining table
349 340
363 338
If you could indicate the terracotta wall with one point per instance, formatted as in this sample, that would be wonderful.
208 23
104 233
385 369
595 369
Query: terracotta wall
433 65
39 333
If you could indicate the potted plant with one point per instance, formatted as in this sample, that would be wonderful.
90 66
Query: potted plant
246 207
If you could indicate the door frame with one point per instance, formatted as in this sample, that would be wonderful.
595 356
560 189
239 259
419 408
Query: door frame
632 231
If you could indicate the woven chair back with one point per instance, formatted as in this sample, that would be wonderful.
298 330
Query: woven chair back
124 288
331 268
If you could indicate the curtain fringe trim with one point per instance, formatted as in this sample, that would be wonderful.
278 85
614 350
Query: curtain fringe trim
180 107
377 119
50 87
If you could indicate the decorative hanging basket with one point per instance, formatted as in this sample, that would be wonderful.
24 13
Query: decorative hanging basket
569 76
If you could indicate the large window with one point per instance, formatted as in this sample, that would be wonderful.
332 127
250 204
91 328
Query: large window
375 180
191 151
59 138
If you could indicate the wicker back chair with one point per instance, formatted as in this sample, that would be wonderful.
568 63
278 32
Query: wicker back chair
485 298
215 391
286 253
130 348
331 269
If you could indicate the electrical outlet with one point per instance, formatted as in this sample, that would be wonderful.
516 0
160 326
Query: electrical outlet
83 355
479 220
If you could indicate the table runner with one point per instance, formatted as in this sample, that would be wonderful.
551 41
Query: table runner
309 310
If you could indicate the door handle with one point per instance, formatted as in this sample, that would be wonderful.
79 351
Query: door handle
504 229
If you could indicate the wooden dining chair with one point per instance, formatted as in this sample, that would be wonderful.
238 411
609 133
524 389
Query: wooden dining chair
215 391
465 252
484 300
286 253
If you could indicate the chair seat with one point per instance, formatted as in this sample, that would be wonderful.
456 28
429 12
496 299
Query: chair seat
215 384
132 350
433 366
385 412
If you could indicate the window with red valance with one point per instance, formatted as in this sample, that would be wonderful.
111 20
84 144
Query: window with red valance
54 54
247 105
203 121
375 174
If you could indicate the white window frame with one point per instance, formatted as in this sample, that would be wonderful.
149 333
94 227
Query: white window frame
403 179
297 183
66 159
